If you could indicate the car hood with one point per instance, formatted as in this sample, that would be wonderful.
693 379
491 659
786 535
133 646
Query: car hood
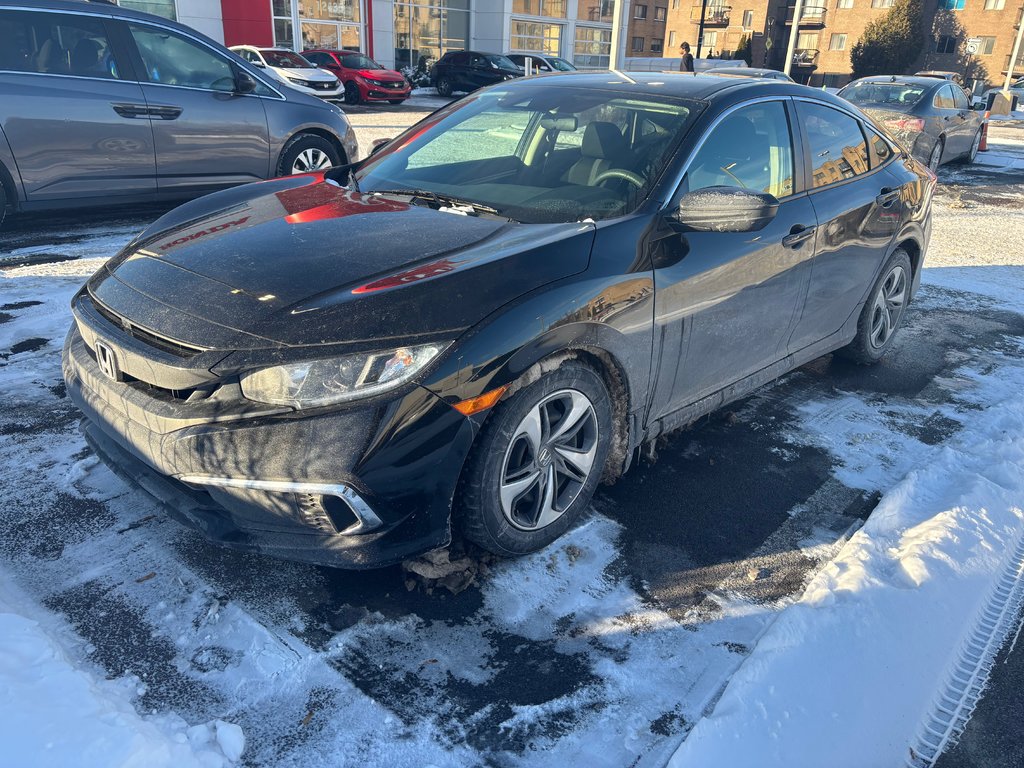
384 75
306 73
301 261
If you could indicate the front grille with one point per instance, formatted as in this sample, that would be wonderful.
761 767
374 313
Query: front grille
393 85
161 393
151 339
323 86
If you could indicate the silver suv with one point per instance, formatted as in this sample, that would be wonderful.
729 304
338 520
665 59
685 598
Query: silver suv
101 105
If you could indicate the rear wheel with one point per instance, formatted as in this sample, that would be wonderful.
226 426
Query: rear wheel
883 312
351 93
935 159
972 155
537 462
444 86
306 153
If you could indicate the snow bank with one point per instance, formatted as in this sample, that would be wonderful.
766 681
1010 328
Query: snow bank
52 714
850 674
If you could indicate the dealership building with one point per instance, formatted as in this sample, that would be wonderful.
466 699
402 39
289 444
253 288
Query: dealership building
401 33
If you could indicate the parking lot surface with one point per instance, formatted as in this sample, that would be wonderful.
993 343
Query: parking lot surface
602 650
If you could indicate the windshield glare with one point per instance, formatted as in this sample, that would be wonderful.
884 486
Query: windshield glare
358 61
537 154
898 94
285 60
500 62
562 65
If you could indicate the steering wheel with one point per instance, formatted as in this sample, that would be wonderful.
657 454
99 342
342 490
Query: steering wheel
620 173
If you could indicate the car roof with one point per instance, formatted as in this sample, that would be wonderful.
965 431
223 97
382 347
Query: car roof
929 82
687 85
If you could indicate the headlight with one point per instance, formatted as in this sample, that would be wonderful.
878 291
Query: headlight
299 81
315 383
375 82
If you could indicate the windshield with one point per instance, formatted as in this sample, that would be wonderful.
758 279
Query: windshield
562 65
536 153
500 62
358 61
285 60
893 94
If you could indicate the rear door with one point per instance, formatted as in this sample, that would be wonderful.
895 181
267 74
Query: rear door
858 206
73 113
726 302
969 122
206 135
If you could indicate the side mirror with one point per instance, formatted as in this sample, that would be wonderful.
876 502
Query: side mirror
244 82
259 64
726 209
377 145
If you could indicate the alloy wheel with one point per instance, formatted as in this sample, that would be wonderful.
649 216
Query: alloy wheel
974 146
936 157
311 159
890 301
549 460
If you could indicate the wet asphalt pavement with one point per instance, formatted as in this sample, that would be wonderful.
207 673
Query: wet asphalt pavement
673 576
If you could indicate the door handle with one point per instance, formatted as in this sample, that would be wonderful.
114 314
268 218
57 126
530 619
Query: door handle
164 111
887 197
797 235
131 110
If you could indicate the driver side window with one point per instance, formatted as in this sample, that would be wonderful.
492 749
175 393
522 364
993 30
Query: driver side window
750 149
172 60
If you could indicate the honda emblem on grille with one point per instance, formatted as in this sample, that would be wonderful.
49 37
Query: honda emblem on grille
107 361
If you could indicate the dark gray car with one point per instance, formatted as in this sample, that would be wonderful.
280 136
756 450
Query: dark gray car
931 117
100 105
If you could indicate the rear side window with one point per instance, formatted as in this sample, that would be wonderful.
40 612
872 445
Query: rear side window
55 44
836 143
169 59
960 98
750 149
944 98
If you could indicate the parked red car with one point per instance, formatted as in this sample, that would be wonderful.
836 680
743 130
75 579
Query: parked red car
364 78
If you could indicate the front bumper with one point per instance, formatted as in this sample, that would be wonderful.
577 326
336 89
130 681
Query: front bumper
350 488
323 93
371 92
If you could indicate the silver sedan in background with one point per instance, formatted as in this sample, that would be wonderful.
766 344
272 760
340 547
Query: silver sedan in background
932 118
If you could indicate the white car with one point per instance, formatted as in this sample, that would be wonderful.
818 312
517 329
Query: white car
292 69
1016 89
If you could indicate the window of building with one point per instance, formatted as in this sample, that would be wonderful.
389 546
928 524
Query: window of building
595 10
837 42
838 148
284 36
675 5
987 46
881 3
638 44
710 41
672 39
556 9
639 11
424 33
660 13
656 46
537 37
592 47
163 8
807 41
748 20
995 5
945 44
951 5
844 3
832 79
733 155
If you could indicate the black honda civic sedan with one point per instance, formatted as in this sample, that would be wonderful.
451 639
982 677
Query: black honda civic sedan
473 327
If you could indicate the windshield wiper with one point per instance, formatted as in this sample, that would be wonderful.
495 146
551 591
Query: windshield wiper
440 200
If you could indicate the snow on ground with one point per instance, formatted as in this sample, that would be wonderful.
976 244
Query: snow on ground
54 712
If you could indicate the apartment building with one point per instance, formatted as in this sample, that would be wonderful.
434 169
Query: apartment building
828 30
646 35
400 33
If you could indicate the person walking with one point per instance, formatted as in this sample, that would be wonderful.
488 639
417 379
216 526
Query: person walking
686 64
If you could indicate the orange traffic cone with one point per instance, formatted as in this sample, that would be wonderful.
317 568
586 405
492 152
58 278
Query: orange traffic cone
983 146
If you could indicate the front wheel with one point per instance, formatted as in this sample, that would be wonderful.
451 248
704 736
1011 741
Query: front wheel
972 155
537 462
352 93
883 312
306 153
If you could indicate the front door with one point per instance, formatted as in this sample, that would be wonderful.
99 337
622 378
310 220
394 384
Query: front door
206 135
726 301
73 113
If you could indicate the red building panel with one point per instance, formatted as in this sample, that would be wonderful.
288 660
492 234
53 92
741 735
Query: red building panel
247 22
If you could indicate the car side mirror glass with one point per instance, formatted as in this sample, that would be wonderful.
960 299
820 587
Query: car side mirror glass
726 209
259 64
378 145
244 82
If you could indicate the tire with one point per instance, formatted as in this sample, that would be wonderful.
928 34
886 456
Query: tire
444 86
506 454
871 342
352 93
972 153
396 102
3 203
305 153
935 158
